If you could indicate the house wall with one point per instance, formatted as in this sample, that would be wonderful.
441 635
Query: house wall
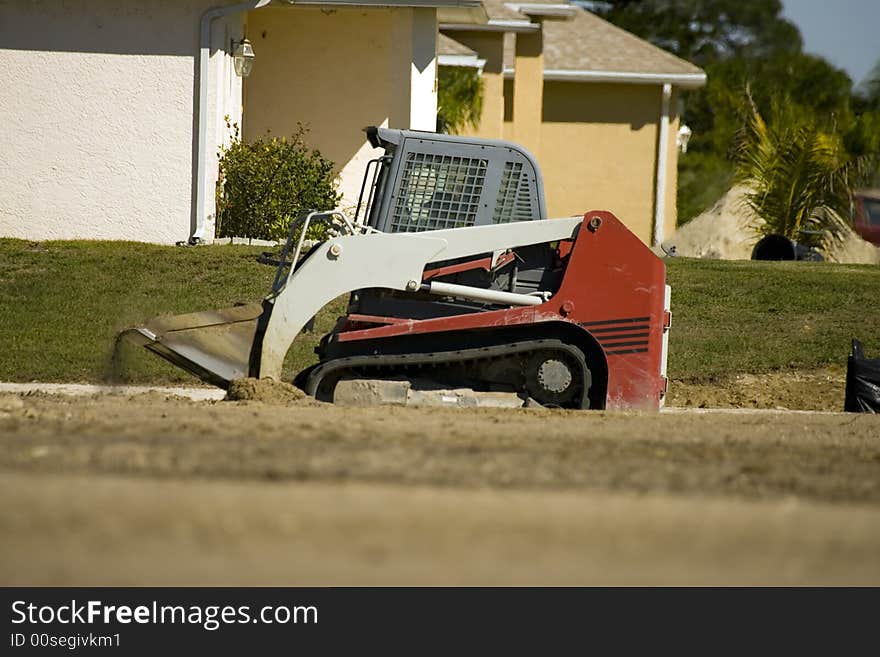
528 87
337 71
97 116
598 151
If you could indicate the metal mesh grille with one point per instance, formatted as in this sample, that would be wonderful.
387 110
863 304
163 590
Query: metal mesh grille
438 191
514 196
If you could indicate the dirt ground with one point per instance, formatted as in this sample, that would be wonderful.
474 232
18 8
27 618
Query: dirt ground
814 390
160 490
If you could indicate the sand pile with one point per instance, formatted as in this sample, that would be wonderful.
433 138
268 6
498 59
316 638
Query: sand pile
264 390
722 232
726 232
851 249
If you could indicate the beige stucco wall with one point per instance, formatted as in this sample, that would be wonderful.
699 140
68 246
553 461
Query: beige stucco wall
598 151
337 71
97 117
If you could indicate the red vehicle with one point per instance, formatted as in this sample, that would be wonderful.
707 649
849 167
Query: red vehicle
866 215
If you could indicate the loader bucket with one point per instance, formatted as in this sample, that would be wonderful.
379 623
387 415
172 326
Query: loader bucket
214 345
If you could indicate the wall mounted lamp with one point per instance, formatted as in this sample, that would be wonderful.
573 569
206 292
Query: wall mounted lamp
243 57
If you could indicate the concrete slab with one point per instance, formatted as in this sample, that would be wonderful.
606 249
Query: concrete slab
376 392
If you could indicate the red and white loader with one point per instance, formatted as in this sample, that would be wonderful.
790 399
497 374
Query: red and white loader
454 275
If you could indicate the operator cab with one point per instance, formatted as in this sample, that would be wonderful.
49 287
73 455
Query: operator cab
429 181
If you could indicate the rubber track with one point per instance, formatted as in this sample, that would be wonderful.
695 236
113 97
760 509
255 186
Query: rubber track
322 370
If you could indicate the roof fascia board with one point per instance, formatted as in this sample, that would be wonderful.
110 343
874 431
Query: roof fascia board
545 10
465 61
493 25
451 4
683 80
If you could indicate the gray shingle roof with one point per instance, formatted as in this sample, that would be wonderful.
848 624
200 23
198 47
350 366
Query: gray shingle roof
586 42
447 46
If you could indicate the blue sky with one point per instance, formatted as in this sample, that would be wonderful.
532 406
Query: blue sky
845 32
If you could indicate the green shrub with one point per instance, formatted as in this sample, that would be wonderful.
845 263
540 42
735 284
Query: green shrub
266 183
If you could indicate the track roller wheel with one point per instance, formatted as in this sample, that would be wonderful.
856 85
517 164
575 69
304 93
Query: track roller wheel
553 377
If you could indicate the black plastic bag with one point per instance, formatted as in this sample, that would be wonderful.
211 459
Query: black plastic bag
862 382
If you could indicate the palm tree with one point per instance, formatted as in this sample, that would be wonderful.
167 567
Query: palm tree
459 98
799 172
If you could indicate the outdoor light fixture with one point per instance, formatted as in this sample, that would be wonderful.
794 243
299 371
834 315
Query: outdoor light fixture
243 58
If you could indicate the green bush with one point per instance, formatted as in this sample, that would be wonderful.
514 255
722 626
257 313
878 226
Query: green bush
264 184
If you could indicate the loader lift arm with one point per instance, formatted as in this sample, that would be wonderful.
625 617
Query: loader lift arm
393 261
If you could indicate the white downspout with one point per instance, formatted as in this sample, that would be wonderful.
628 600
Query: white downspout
662 145
204 54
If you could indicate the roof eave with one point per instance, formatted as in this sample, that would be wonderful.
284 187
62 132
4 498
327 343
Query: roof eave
458 11
493 25
543 10
463 4
681 80
463 61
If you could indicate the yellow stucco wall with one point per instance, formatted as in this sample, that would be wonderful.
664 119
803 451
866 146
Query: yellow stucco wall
336 71
598 151
528 90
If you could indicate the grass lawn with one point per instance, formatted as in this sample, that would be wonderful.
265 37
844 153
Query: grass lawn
62 305
741 316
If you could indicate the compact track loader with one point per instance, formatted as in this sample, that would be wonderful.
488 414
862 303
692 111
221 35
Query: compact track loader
454 275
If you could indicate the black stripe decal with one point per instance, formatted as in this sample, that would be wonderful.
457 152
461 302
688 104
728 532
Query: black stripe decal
620 336
637 343
625 320
640 327
626 351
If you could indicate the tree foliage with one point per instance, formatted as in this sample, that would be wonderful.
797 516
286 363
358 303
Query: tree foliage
714 111
868 93
706 31
740 44
267 182
459 98
798 169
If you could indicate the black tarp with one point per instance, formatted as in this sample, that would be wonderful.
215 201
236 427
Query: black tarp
862 382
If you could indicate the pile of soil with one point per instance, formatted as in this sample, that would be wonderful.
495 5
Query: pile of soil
727 231
851 249
264 390
724 232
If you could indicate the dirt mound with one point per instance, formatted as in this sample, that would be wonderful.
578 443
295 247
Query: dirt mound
727 232
264 390
851 249
722 232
